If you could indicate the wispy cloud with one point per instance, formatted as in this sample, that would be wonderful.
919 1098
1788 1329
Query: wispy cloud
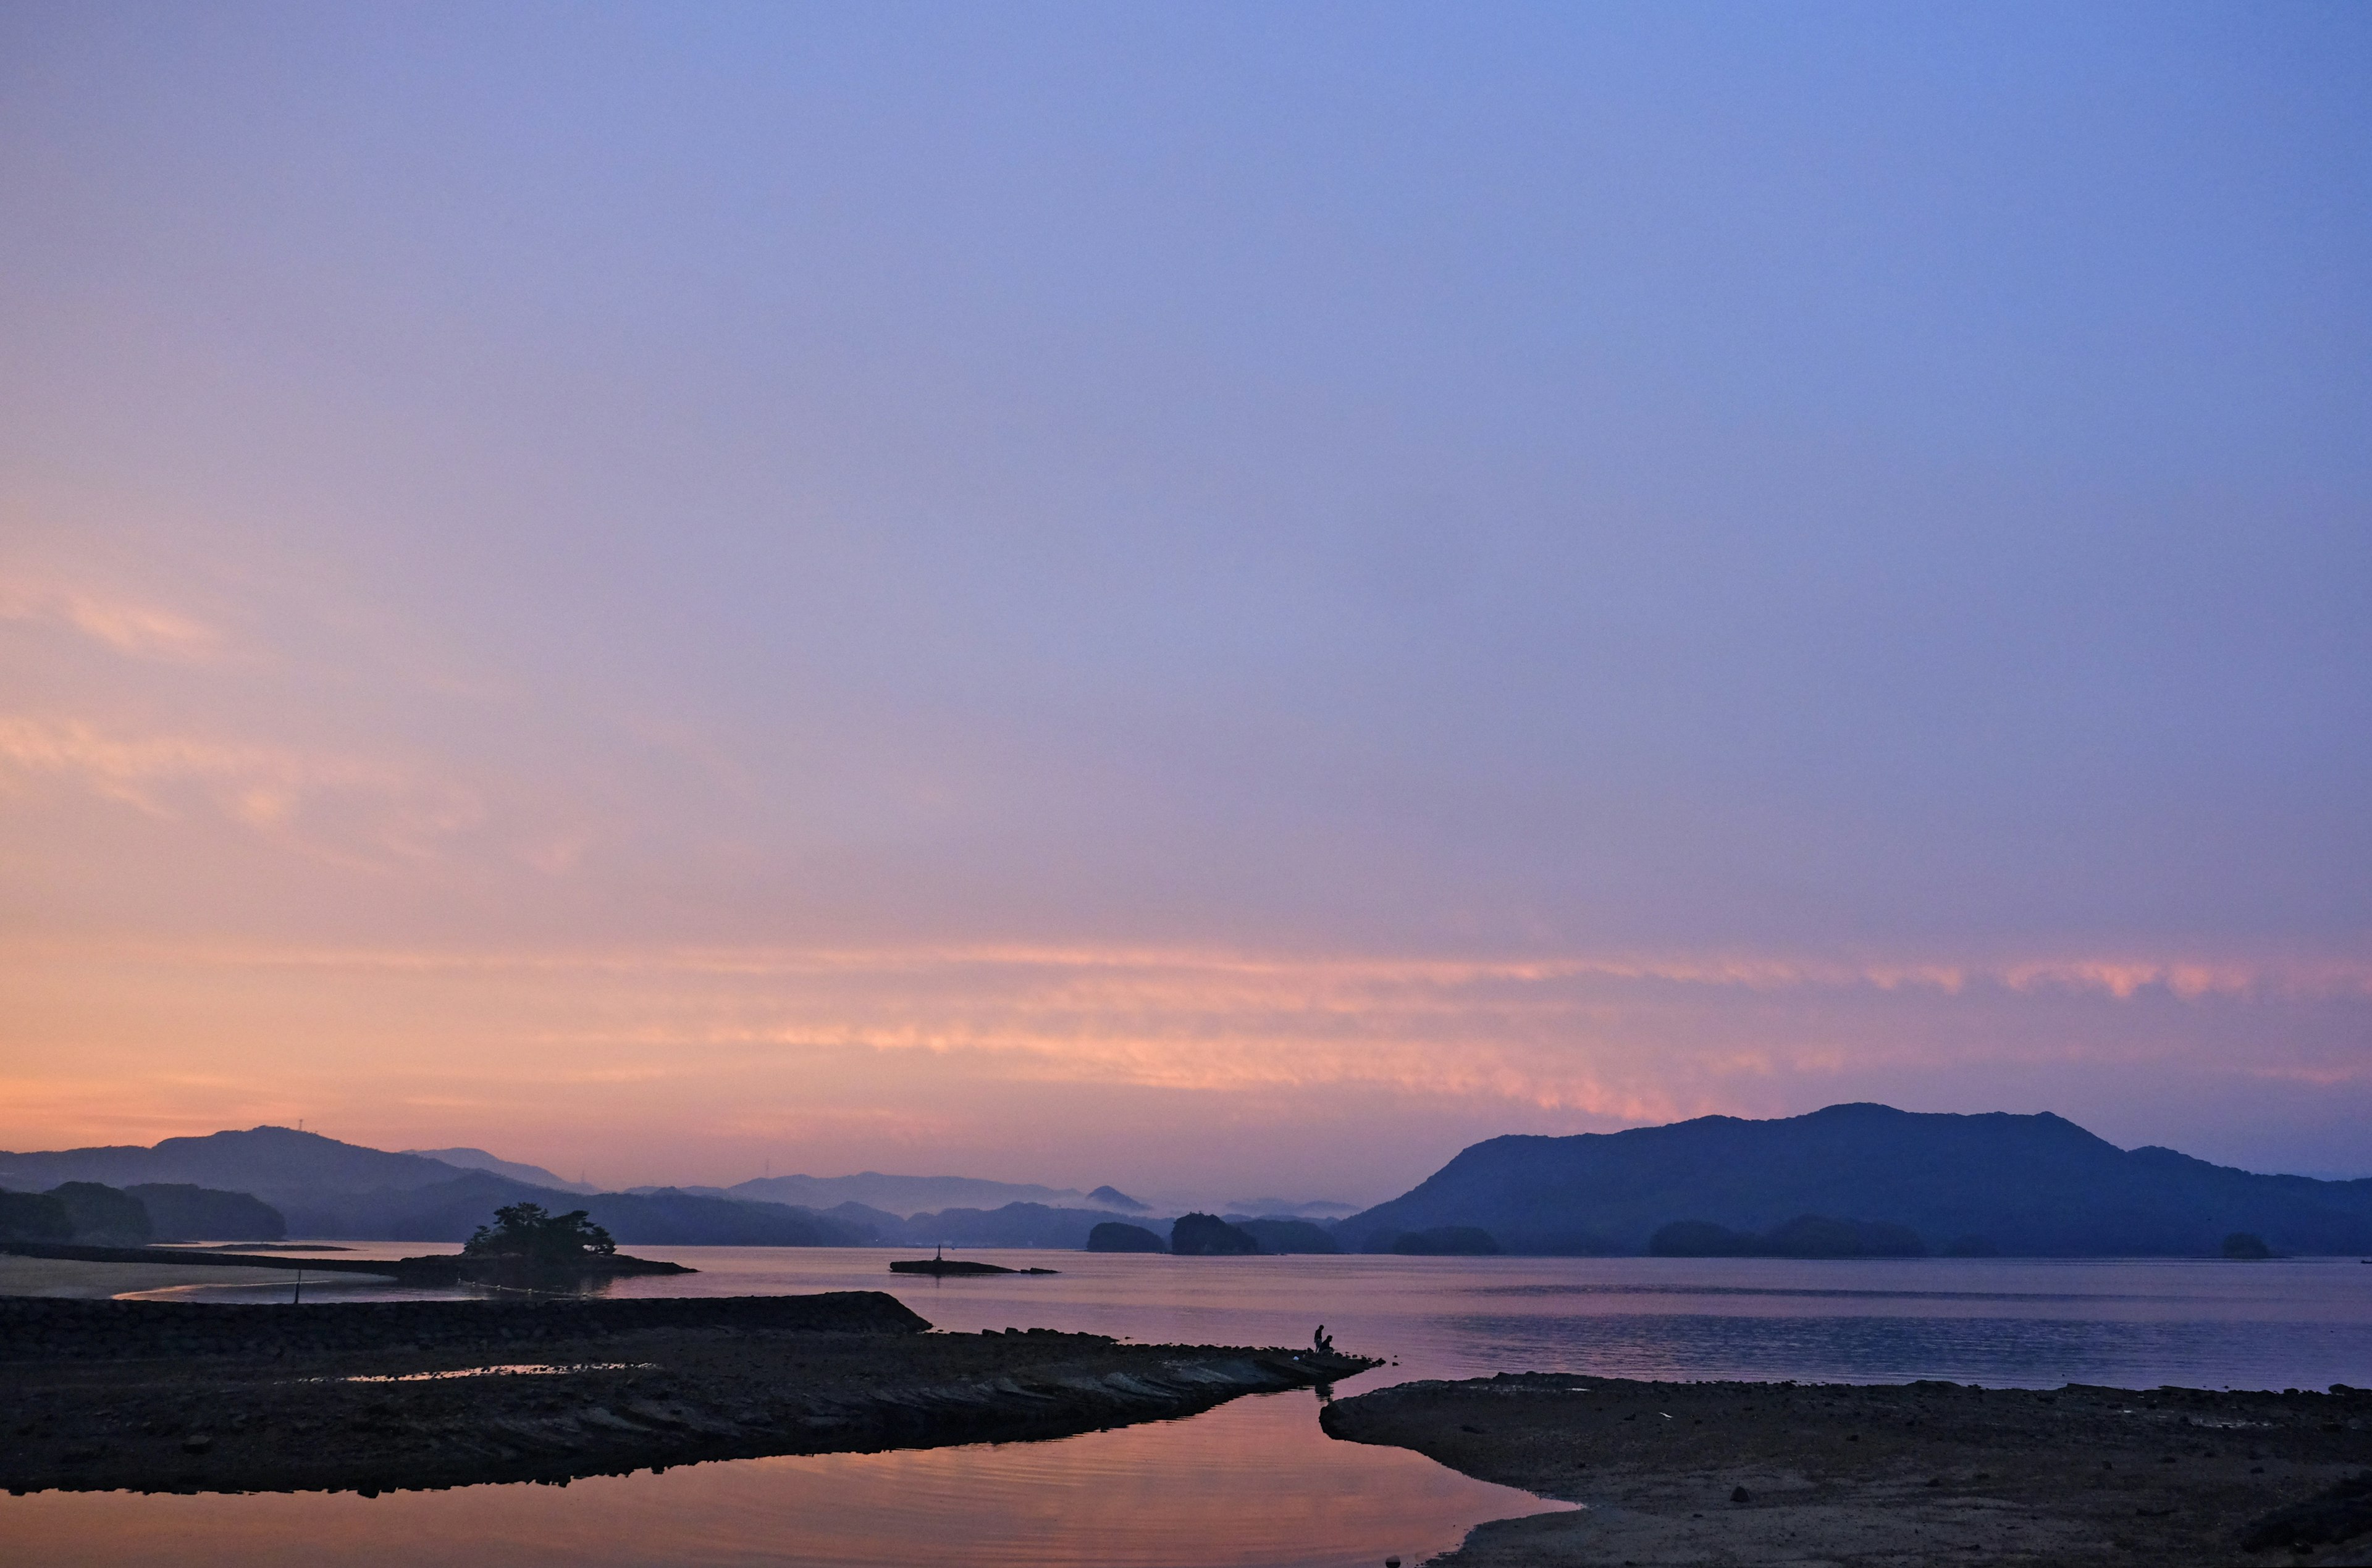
1624 1037
344 808
133 629
1158 977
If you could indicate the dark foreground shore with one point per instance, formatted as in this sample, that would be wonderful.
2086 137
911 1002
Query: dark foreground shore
156 1395
1924 1473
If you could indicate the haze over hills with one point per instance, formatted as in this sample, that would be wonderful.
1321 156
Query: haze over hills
479 1159
261 1160
328 1189
2032 1185
325 1187
1291 1208
907 1195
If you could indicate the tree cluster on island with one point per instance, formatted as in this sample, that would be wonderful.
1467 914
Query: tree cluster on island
528 1233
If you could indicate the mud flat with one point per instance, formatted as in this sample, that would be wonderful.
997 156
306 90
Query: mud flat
372 1397
431 1270
1803 1473
55 1277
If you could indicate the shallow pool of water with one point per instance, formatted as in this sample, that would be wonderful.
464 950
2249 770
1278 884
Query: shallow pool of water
1253 1485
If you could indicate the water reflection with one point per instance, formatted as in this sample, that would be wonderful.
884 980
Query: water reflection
1253 1483
2289 1323
1999 1352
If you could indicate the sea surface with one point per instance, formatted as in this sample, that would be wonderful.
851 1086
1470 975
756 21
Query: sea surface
1255 1482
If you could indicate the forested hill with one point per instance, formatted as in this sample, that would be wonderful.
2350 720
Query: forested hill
2026 1185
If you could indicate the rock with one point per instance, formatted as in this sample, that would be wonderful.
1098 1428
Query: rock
1208 1234
1740 1494
1114 1235
2340 1514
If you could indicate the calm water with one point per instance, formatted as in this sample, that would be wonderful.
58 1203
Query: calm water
2285 1323
1255 1481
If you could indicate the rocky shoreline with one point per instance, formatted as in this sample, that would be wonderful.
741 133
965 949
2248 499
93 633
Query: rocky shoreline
1843 1474
373 1397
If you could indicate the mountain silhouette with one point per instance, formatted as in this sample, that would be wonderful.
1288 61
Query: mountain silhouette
2025 1185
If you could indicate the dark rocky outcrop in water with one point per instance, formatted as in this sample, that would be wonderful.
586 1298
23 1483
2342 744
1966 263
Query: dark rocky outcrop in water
1288 1235
1200 1235
1118 1236
2028 1185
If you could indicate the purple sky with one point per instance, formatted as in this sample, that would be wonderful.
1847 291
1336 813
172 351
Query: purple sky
1219 596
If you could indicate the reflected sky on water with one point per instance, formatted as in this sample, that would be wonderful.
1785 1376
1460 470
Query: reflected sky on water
2135 1322
1252 1485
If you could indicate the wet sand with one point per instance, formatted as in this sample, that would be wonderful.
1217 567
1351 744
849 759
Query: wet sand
1852 1475
67 1279
281 1407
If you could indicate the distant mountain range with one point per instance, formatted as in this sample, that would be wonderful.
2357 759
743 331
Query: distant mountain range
2023 1185
1850 1178
327 1189
266 1161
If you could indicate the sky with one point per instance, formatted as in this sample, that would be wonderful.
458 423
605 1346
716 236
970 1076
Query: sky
1204 597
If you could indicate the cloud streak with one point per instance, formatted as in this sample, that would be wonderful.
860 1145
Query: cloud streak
123 626
1158 975
348 811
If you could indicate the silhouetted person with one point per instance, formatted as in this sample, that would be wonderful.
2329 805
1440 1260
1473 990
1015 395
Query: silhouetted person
1321 1343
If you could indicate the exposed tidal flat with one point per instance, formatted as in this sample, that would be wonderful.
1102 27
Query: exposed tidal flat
1257 1480
1919 1472
380 1396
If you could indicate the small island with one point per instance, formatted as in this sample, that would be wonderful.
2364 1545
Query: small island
939 1265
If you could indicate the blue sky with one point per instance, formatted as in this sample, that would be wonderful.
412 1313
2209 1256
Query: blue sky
1738 504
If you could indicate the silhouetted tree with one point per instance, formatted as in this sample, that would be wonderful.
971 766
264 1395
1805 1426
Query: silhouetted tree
527 1231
